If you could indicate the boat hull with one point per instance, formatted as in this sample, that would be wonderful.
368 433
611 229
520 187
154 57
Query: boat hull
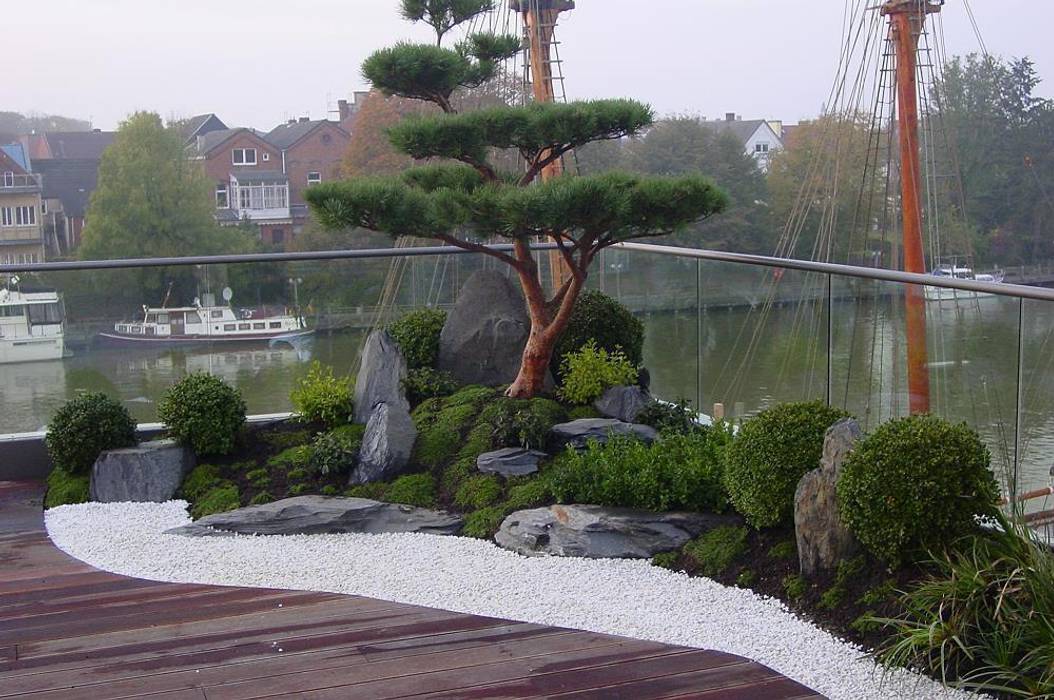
947 295
231 339
13 350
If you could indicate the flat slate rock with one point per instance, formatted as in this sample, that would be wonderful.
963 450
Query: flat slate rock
595 532
578 433
623 403
511 461
322 515
148 473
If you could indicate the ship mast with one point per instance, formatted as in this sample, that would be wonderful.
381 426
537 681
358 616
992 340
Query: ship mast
539 20
906 21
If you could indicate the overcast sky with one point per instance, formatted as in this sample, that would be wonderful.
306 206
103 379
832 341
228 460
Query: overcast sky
258 62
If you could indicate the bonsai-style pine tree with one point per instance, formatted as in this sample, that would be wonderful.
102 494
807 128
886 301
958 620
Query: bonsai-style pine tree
460 199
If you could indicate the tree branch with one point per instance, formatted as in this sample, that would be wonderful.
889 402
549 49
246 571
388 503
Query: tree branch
538 166
478 248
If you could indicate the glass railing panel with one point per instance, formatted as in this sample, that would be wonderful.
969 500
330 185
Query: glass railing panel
1035 468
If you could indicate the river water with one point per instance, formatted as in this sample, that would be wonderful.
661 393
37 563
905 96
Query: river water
739 357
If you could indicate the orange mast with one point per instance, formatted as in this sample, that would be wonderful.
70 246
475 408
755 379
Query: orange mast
539 19
906 19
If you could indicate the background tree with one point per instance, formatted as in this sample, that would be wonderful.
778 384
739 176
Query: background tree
369 151
468 201
14 124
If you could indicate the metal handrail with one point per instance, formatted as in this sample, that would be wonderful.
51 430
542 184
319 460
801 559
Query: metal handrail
1009 290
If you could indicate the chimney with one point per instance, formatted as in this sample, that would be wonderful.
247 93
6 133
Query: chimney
291 121
343 110
730 116
305 120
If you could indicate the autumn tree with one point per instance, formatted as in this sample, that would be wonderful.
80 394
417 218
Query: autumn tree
462 199
369 151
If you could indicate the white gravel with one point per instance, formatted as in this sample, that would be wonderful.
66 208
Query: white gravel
629 598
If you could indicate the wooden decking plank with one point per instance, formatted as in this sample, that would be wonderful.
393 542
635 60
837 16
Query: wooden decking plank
88 602
744 680
74 591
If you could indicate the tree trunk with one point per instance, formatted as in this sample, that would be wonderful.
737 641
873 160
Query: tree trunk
534 367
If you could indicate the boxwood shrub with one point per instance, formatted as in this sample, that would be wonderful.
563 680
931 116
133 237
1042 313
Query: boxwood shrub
204 412
84 427
771 454
417 334
600 318
591 370
916 483
321 397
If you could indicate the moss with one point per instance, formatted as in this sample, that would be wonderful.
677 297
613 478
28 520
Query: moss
298 457
746 578
330 490
483 523
299 489
456 474
260 478
795 586
219 499
66 489
476 396
373 492
261 498
479 440
200 480
530 494
580 412
667 560
787 549
833 598
413 490
283 440
716 550
298 474
879 594
478 492
848 569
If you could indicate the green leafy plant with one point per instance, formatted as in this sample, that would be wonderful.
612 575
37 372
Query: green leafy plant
413 490
667 418
770 455
717 550
521 422
330 490
531 493
916 483
417 334
84 427
299 489
259 478
298 474
590 371
984 619
66 489
787 549
610 325
293 458
372 492
199 481
746 578
848 569
284 439
427 383
321 397
682 472
579 412
336 451
219 499
203 412
261 498
667 560
795 586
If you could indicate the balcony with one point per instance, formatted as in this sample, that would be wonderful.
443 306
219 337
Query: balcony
261 197
16 183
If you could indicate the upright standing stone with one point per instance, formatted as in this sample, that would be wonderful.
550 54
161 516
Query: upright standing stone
823 539
483 339
381 372
148 473
386 445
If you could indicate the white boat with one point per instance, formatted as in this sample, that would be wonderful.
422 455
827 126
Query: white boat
955 271
207 322
31 325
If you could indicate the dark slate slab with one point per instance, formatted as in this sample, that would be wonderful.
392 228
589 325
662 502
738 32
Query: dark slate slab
511 461
578 433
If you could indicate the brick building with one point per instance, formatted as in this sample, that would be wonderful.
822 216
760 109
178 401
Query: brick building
21 208
311 153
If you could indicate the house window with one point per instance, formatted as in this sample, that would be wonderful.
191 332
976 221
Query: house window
221 196
7 217
244 156
266 157
260 196
314 178
43 206
9 179
25 216
276 324
761 148
216 314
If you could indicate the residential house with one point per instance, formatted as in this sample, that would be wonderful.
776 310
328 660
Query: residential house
249 179
21 207
311 153
760 137
73 145
201 125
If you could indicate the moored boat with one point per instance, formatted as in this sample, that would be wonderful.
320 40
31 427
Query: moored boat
31 325
960 272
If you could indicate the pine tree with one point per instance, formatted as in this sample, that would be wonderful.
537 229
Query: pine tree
460 198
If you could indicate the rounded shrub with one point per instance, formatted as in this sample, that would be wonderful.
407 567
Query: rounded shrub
589 372
84 427
203 412
600 318
417 334
916 483
770 455
320 397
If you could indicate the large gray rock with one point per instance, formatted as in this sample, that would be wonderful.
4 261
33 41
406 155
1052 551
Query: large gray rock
381 372
623 403
511 461
578 433
386 445
596 532
319 515
823 539
149 473
484 335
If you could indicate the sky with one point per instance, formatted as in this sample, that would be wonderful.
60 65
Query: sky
257 63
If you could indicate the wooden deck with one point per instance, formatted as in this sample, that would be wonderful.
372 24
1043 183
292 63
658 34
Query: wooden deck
70 631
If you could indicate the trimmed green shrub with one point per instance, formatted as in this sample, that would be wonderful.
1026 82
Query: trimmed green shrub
590 371
204 412
66 489
478 492
201 479
668 418
413 490
984 619
682 472
770 455
84 427
320 397
426 383
608 323
521 422
219 499
715 551
916 483
417 334
335 452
